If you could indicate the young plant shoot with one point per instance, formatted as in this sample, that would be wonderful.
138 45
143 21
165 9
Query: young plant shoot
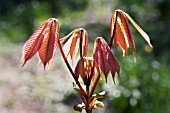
45 40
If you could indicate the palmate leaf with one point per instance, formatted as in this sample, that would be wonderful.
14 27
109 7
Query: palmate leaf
121 34
104 58
49 45
33 44
77 39
43 41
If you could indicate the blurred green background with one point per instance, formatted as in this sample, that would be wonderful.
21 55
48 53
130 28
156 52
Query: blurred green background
143 87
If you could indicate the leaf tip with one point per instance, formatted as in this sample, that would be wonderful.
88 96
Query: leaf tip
23 64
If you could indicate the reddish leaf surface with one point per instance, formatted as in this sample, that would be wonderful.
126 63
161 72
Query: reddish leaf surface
74 45
48 47
66 47
121 34
144 35
34 43
104 58
84 68
101 55
84 42
43 41
113 24
76 40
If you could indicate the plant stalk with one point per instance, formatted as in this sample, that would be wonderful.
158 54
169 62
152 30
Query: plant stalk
88 111
70 69
95 84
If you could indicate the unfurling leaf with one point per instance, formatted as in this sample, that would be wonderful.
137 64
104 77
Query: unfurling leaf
84 69
77 39
121 34
104 58
43 41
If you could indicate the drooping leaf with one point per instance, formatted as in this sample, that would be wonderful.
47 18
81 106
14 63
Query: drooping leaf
128 34
79 70
120 38
98 56
104 58
84 68
68 40
48 47
43 41
115 67
34 43
144 35
74 45
121 34
113 24
84 42
76 40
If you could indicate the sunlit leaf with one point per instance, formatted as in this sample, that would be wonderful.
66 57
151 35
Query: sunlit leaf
74 45
48 47
121 34
76 40
113 24
84 42
43 41
84 68
104 58
68 40
101 56
144 35
79 70
34 43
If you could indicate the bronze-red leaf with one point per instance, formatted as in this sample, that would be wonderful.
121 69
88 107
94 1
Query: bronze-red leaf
121 34
76 40
100 57
84 68
48 47
74 45
84 42
34 43
104 58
